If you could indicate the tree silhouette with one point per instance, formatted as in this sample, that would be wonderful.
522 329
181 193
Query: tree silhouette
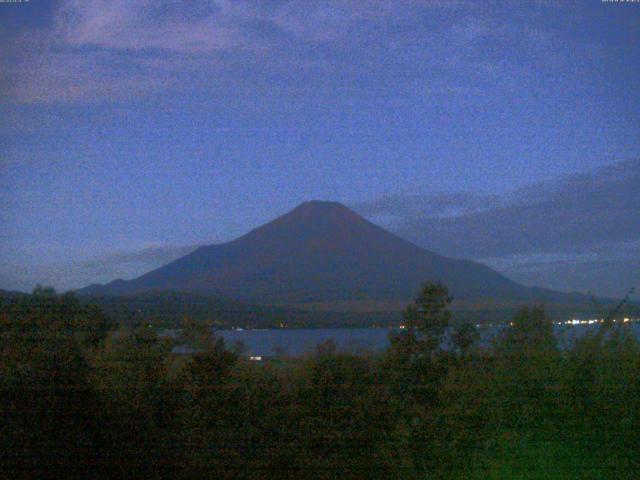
463 337
429 314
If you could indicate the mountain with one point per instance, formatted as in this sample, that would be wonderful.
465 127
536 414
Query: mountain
6 295
168 308
324 252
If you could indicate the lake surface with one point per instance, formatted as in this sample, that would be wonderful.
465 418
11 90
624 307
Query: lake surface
297 342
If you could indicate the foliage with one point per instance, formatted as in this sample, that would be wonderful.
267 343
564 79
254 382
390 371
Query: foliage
81 399
463 337
429 314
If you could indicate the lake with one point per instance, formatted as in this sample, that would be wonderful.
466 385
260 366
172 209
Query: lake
296 342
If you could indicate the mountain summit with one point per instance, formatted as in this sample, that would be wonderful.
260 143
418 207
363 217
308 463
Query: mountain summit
320 252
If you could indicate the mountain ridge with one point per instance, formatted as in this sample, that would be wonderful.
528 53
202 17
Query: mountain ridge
321 252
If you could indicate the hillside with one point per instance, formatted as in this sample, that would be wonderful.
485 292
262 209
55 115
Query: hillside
168 308
324 252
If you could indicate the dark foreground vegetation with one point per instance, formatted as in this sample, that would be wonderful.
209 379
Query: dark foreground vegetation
81 397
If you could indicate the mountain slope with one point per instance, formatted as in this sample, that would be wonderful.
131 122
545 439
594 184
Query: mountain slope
168 308
322 252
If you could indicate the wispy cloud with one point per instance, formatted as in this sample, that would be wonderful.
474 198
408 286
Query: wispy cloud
108 50
153 254
609 269
125 264
149 25
575 221
576 212
95 50
400 209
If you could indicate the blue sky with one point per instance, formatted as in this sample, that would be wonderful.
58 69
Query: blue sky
133 130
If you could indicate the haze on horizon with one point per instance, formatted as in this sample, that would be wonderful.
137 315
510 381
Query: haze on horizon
134 131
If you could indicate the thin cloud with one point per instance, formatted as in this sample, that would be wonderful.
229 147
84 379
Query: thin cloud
155 254
405 208
534 232
150 25
576 212
98 50
124 264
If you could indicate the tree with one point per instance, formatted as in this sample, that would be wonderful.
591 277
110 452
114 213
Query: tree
209 416
47 408
464 336
526 371
429 314
530 334
341 415
128 375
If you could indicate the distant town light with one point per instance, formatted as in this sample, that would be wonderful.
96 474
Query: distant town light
592 321
256 358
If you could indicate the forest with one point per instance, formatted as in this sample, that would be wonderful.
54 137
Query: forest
82 396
